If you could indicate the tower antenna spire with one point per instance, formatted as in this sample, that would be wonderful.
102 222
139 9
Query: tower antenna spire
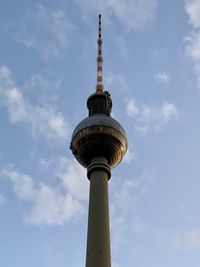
99 86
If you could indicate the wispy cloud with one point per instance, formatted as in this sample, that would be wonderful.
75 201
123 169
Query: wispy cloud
119 203
122 46
46 31
192 7
131 14
123 218
188 241
118 81
192 40
42 89
147 117
130 156
2 199
162 77
71 174
41 120
47 204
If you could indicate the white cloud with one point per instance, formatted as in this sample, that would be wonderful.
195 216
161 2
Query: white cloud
41 89
51 205
124 195
72 175
122 46
192 7
162 77
50 31
141 129
132 14
188 241
130 156
192 40
147 117
123 219
119 203
116 80
40 120
132 108
74 179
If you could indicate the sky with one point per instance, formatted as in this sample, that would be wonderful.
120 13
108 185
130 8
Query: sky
151 68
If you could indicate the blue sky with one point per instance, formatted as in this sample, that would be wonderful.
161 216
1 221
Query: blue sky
47 71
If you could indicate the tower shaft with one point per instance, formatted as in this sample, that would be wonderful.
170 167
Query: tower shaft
98 238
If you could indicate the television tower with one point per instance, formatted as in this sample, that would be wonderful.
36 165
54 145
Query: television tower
99 143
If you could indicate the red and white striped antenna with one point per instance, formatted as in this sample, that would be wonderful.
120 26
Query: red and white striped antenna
99 86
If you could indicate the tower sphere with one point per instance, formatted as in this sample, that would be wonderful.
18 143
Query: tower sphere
99 136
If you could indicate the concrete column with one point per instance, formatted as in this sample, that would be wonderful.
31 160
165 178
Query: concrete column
98 239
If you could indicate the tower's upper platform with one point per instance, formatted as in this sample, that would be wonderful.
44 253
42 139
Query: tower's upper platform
99 103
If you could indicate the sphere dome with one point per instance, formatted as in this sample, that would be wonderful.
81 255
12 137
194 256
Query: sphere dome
99 136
